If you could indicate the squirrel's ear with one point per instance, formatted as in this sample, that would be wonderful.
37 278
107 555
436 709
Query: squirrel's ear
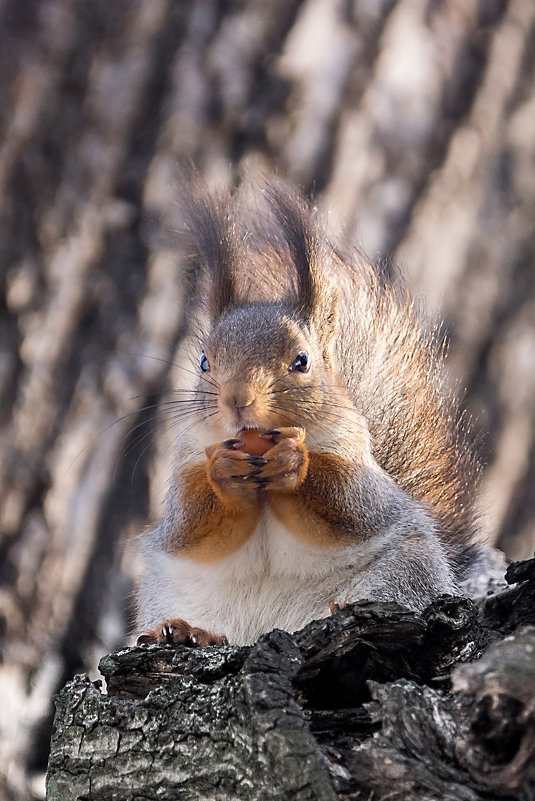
315 299
299 236
207 226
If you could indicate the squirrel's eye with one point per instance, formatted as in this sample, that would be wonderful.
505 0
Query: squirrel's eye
205 364
301 363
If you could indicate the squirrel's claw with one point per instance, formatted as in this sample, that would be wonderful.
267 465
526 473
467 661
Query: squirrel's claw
271 434
145 639
287 432
257 461
229 444
178 632
233 443
286 463
335 606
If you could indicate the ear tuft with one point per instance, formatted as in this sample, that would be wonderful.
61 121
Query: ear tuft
315 297
207 225
300 237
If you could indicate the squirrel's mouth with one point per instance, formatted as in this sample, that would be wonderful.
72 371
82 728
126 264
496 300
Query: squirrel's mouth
253 428
247 419
250 430
244 420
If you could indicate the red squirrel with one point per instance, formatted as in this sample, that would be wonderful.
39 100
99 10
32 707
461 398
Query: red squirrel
321 457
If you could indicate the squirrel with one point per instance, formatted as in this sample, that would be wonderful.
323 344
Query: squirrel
319 458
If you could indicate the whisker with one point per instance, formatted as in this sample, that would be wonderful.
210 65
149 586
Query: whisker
210 380
150 436
327 409
136 444
277 381
168 420
117 420
193 372
195 391
184 413
170 411
159 359
332 390
168 424
202 420
320 421
182 401
178 412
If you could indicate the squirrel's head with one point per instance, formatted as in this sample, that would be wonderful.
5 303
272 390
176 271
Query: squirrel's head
267 359
267 366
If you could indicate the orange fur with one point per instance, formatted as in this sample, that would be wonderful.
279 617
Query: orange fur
307 513
215 524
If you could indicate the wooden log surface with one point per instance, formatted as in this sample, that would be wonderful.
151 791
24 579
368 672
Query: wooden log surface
374 701
412 123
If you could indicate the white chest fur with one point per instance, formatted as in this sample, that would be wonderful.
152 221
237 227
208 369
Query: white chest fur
273 581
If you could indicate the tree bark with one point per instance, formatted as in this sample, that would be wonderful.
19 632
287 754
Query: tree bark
412 121
356 705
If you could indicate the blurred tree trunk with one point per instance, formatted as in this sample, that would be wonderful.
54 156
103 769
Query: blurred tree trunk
413 122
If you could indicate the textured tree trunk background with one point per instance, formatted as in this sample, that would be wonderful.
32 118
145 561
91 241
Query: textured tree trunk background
413 122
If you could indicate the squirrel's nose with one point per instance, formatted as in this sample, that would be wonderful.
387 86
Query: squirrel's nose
236 397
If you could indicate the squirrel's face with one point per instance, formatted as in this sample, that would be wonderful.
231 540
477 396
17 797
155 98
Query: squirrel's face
266 368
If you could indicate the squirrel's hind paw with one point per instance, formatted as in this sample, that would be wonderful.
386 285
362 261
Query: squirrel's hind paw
336 606
178 632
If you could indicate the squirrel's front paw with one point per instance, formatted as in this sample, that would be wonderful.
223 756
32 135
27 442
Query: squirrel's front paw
286 463
232 473
178 632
